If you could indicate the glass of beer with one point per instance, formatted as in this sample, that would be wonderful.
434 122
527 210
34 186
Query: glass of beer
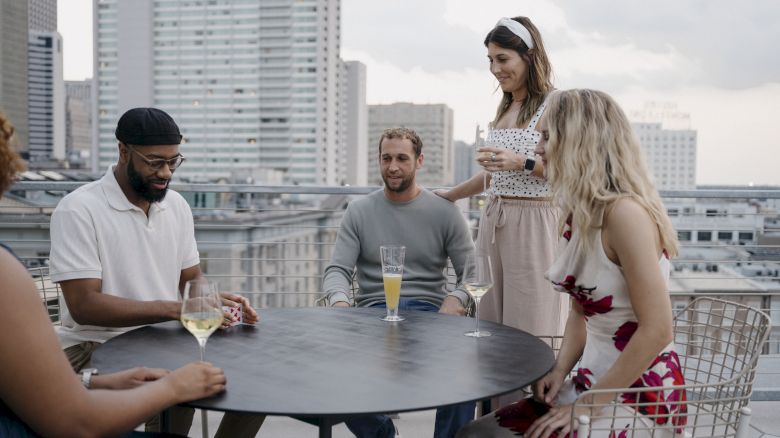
392 271
477 279
201 310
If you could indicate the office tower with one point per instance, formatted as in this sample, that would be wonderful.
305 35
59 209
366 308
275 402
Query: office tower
78 122
13 66
433 123
46 97
252 84
354 115
671 155
42 15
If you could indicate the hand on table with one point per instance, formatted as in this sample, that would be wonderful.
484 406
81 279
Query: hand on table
195 381
127 379
452 306
249 314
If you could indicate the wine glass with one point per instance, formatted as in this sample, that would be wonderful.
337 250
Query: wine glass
201 310
477 279
392 272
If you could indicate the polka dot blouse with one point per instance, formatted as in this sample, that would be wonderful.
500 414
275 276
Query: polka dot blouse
520 141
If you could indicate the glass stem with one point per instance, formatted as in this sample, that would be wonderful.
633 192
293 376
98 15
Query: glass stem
476 312
202 343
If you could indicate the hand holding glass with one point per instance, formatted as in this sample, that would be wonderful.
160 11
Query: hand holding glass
477 279
201 310
392 272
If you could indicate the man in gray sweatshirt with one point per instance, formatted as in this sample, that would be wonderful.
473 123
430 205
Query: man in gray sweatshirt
431 228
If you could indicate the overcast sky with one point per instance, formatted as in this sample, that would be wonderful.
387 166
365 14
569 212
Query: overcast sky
716 60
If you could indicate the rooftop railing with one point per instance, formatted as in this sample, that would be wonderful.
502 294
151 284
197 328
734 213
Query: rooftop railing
272 243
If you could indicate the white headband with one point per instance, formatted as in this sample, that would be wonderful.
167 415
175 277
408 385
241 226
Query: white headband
517 29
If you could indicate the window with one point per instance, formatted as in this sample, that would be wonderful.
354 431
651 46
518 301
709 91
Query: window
724 236
704 236
673 212
745 236
684 236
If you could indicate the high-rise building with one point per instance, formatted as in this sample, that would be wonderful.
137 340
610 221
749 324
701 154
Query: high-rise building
432 122
78 122
671 155
42 15
13 66
354 115
46 94
252 84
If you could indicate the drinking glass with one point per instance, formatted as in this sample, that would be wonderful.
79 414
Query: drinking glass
392 272
201 310
477 279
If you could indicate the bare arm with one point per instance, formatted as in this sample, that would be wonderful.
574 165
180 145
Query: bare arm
472 186
88 305
574 337
631 239
38 384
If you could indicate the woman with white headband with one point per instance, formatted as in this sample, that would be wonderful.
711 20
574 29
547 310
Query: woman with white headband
518 227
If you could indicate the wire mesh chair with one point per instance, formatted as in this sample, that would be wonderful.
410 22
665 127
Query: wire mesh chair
49 292
718 343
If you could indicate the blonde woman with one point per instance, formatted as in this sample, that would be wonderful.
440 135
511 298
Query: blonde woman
614 264
518 226
39 393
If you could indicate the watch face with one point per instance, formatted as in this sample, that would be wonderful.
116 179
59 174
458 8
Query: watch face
529 164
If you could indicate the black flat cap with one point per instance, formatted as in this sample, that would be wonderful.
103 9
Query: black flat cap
147 127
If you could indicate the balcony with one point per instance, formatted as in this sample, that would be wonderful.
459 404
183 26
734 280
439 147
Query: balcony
272 244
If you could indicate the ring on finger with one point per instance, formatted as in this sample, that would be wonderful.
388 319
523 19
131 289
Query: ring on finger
493 157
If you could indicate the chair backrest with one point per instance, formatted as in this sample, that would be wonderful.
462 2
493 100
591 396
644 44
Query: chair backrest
49 292
718 344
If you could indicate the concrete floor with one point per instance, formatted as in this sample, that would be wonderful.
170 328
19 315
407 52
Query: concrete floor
765 418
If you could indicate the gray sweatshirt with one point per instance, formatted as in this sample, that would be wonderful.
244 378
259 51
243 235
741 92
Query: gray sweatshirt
430 227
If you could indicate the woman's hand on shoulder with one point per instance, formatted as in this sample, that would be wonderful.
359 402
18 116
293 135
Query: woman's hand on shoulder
444 193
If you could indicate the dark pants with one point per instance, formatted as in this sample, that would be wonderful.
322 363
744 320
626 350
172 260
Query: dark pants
448 419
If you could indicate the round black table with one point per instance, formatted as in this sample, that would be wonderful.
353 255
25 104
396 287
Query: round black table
328 364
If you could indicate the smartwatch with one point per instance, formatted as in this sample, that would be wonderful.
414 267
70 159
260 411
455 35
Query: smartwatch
530 163
86 376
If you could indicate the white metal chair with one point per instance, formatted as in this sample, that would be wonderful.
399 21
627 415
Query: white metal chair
49 292
718 343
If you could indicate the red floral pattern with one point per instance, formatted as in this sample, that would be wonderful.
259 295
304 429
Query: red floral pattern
519 416
581 381
583 297
624 334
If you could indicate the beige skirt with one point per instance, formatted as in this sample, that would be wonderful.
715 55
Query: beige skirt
521 237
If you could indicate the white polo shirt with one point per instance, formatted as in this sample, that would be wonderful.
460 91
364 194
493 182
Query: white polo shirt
96 232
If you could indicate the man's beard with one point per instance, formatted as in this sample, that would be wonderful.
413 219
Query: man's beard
142 187
405 184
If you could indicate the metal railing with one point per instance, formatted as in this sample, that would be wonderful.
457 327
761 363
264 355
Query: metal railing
272 243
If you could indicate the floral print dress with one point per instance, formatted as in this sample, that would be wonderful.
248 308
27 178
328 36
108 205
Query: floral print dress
598 285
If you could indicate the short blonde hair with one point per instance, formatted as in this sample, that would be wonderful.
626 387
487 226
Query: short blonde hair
10 162
594 158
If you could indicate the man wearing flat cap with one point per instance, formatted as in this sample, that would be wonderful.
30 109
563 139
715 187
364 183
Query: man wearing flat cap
123 247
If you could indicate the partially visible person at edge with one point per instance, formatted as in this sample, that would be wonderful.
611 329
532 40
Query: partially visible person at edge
123 248
517 228
431 229
614 264
40 395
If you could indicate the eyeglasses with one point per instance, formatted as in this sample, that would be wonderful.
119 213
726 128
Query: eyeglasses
157 163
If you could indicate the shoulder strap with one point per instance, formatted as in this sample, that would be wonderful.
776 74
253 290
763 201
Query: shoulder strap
538 114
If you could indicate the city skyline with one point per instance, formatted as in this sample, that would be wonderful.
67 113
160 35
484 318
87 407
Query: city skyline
667 52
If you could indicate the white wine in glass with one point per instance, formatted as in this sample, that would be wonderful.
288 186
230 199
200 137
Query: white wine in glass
477 279
392 276
201 311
